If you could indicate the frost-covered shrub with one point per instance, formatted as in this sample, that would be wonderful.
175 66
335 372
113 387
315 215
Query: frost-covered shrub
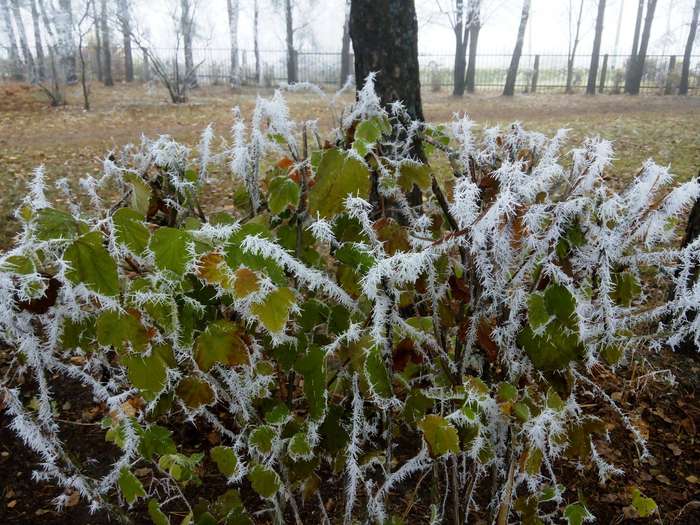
332 336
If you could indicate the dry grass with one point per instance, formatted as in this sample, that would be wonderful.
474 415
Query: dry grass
68 140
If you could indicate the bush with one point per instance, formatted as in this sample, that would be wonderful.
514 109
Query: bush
333 337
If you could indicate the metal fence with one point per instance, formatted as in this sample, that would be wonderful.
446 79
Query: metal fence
540 72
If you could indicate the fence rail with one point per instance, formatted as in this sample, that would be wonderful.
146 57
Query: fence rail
540 72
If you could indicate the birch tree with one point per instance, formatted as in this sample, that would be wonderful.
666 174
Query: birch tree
685 71
509 88
256 41
345 48
595 55
98 41
233 15
474 29
14 49
38 46
24 45
65 32
187 9
106 45
292 72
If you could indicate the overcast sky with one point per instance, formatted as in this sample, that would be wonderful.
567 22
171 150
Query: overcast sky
548 30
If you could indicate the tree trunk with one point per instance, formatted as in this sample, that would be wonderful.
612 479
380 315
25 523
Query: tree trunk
345 51
461 31
685 72
291 52
509 88
474 29
572 49
66 38
635 46
106 46
638 70
55 91
98 42
233 13
385 39
256 42
595 56
125 20
17 73
26 52
186 26
40 58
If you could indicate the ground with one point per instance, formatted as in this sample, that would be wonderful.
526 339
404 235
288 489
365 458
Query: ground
70 142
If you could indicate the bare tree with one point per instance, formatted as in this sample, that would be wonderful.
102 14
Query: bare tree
509 88
292 72
256 41
187 32
26 52
460 19
83 30
53 91
635 45
638 61
125 22
98 41
38 46
474 29
685 72
345 50
106 45
573 44
595 55
14 50
233 15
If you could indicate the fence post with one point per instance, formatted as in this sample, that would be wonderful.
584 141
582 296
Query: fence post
603 73
535 74
669 75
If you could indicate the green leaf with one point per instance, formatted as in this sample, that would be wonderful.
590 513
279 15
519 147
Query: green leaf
265 481
645 506
337 177
91 264
50 224
312 367
625 288
278 414
537 314
273 311
225 459
261 439
411 173
148 374
561 304
576 514
131 487
377 373
221 343
117 329
18 264
299 447
440 435
130 230
369 130
140 193
157 516
155 441
553 350
282 192
351 254
170 248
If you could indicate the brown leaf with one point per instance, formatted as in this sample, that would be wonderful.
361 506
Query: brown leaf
42 305
404 353
483 335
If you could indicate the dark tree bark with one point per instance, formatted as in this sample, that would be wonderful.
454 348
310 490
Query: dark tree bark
345 51
186 28
685 72
638 68
474 29
572 49
98 42
125 21
291 51
595 55
24 45
461 30
36 25
106 46
635 45
385 39
509 88
17 73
